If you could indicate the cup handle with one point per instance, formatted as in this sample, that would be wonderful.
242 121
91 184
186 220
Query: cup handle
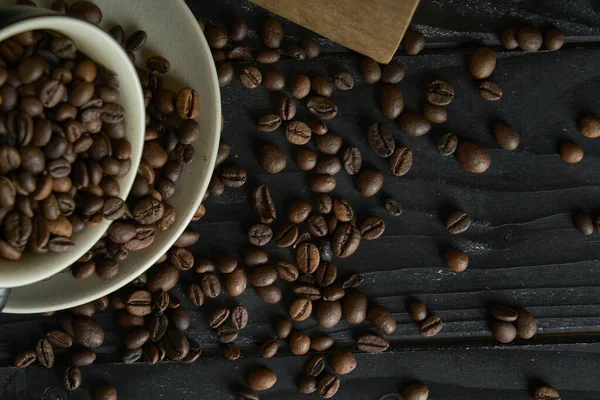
4 292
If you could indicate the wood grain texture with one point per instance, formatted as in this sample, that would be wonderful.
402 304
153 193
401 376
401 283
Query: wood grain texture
373 28
523 247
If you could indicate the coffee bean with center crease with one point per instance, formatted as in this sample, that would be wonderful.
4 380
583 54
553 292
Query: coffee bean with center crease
307 290
251 77
301 309
439 93
210 285
322 107
218 317
458 222
352 160
269 123
287 108
226 333
345 240
148 210
483 63
307 257
317 226
286 235
372 228
315 366
381 140
431 326
342 210
239 317
447 144
25 359
490 90
371 343
263 204
60 338
297 133
139 303
233 177
45 353
158 327
343 81
328 386
72 378
176 344
369 182
260 234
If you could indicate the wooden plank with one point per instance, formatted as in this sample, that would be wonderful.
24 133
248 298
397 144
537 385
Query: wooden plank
373 28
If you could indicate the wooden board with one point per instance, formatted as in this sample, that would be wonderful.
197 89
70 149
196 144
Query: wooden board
373 28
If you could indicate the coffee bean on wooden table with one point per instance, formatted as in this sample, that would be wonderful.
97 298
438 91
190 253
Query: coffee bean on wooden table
317 226
456 260
415 391
435 114
139 303
218 317
238 30
323 184
269 348
400 161
413 42
506 136
369 182
393 72
504 313
355 306
287 271
322 107
246 394
273 80
439 93
44 353
343 362
59 338
381 140
589 126
584 223
72 378
211 287
25 359
554 39
529 39
489 90
263 275
482 63
286 235
321 86
306 159
370 70
298 133
526 325
307 384
269 123
236 282
225 72
193 354
315 366
299 343
287 108
256 256
571 153
328 313
391 101
472 157
345 240
329 143
251 77
215 36
414 124
504 332
300 309
317 126
545 393
272 159
263 204
106 392
352 160
431 326
262 379
333 293
393 207
343 81
328 386
271 33
176 344
371 343
342 210
311 48
232 351
299 211
509 38
307 257
458 222
88 332
300 86
417 310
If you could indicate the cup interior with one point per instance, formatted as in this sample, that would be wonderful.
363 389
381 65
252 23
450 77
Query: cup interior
100 47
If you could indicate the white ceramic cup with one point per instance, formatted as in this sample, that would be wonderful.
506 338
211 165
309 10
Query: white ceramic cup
101 48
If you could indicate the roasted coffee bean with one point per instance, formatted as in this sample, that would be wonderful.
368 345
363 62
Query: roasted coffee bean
59 338
321 86
370 70
263 275
294 51
182 259
218 317
352 160
83 358
307 384
526 325
136 338
286 236
355 307
529 39
239 317
315 366
472 157
431 326
283 328
307 257
343 362
298 133
132 356
325 249
506 136
372 228
504 313
369 182
210 285
458 222
343 81
381 140
222 155
371 343
272 159
345 240
246 394
326 274
139 303
456 260
269 123
128 321
307 290
287 108
300 309
27 358
324 203
262 379
238 30
391 101
233 177
287 271
414 124
176 344
447 144
342 210
45 353
546 393
225 72
589 126
435 114
299 211
439 93
162 278
240 53
306 159
260 234
382 319
318 127
256 256
226 264
321 343
273 80
571 153
215 186
193 354
333 293
299 343
509 38
270 294
329 165
300 86
86 11
483 63
323 184
88 332
311 48
72 378
328 313
195 295
106 392
504 332
271 33
415 391
322 107
226 333
269 348
215 36
180 318
554 39
304 237
490 90
251 77
393 72
414 42
157 327
317 226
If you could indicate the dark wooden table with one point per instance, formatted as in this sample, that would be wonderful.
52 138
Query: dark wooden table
523 246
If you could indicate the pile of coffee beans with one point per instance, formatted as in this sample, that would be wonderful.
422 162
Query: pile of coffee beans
507 324
61 154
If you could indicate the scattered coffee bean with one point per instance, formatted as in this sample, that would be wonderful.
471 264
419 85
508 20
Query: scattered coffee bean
321 343
417 310
401 161
25 359
267 56
106 392
393 72
546 393
269 348
571 153
328 386
504 313
381 140
88 332
345 240
435 114
322 107
225 72
283 328
269 123
415 391
369 182
509 38
456 260
382 319
311 48
215 36
529 39
343 362
83 357
458 222
236 282
72 378
272 159
238 30
414 124
251 77
299 211
246 394
589 126
300 86
306 159
211 287
343 81
526 325
393 207
262 379
370 70
414 42
472 157
328 313
504 332
315 366
226 333
321 86
300 309
297 133
355 307
506 136
372 228
482 63
554 39
273 80
271 33
584 223
439 93
299 343
490 90
431 326
371 343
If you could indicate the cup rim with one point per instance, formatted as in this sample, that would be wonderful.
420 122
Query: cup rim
35 19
